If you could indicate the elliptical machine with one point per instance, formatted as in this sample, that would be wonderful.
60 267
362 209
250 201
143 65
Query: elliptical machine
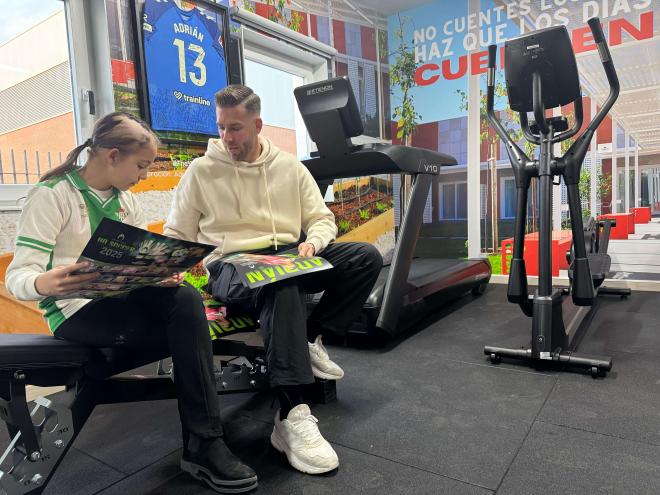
541 73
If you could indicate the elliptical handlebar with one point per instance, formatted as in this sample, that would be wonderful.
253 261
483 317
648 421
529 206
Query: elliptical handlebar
516 155
577 124
578 150
490 98
610 72
517 291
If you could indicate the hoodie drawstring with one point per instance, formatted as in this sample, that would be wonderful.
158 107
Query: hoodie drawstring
238 192
270 207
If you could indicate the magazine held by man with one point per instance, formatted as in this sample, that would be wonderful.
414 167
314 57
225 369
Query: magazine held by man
260 269
128 257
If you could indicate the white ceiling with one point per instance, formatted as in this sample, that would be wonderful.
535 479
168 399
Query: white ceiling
638 106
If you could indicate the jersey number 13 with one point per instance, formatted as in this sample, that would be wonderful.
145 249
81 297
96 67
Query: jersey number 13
198 79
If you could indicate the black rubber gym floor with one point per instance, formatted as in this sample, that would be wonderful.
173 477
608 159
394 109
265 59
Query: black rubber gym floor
427 415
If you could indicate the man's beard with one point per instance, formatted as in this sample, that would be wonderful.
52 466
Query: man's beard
245 151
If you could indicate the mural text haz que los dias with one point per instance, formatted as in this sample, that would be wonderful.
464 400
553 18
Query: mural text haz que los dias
127 257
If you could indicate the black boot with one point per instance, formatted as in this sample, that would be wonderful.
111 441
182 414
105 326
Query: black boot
210 460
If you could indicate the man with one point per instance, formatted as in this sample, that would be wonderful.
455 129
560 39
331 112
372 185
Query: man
245 194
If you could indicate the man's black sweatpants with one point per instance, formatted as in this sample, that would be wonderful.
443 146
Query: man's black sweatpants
281 307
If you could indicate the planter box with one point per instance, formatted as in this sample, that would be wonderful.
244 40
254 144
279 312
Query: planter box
641 214
625 224
561 243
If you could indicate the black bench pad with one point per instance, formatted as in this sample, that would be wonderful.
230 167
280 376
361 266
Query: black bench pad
37 351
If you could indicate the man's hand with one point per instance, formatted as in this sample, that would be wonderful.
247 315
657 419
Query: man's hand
173 280
306 249
59 281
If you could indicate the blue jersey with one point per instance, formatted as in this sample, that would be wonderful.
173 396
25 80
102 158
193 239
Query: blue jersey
185 65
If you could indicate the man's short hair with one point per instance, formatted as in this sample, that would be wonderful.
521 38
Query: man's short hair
237 94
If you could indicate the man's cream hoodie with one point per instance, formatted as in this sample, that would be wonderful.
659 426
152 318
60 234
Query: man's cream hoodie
240 206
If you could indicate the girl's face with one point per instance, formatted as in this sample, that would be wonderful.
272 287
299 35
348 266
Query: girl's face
127 169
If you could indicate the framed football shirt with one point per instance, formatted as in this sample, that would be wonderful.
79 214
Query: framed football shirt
185 64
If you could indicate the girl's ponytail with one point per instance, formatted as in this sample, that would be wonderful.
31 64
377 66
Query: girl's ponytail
108 133
69 164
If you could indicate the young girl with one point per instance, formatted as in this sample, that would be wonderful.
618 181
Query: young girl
57 220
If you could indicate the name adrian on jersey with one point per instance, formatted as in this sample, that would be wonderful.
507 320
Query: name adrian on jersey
180 27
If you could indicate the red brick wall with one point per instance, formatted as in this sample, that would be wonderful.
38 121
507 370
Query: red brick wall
368 38
426 136
339 35
604 132
284 139
56 135
315 31
264 10
304 28
267 11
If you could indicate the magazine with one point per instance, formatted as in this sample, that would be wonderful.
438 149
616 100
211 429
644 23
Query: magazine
260 269
128 257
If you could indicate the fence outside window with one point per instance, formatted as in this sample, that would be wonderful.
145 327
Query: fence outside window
23 167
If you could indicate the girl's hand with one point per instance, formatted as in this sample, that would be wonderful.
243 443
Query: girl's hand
173 281
59 281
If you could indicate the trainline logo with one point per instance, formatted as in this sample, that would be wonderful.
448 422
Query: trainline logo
191 99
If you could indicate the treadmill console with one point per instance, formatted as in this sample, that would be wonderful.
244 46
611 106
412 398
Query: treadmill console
331 115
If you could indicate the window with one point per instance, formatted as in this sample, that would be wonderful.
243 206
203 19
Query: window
512 127
620 138
453 201
323 29
484 200
453 138
361 93
36 98
275 87
353 40
357 59
508 198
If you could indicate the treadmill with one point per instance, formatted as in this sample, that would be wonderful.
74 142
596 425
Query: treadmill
410 288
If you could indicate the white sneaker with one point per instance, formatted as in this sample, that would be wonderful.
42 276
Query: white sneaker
298 437
322 365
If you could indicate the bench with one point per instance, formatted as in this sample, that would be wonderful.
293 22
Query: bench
40 437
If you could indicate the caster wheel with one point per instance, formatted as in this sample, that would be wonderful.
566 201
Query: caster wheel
495 358
596 372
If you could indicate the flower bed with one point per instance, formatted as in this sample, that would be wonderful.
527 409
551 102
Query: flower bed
353 212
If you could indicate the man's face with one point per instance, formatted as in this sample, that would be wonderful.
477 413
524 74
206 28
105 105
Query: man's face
239 131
